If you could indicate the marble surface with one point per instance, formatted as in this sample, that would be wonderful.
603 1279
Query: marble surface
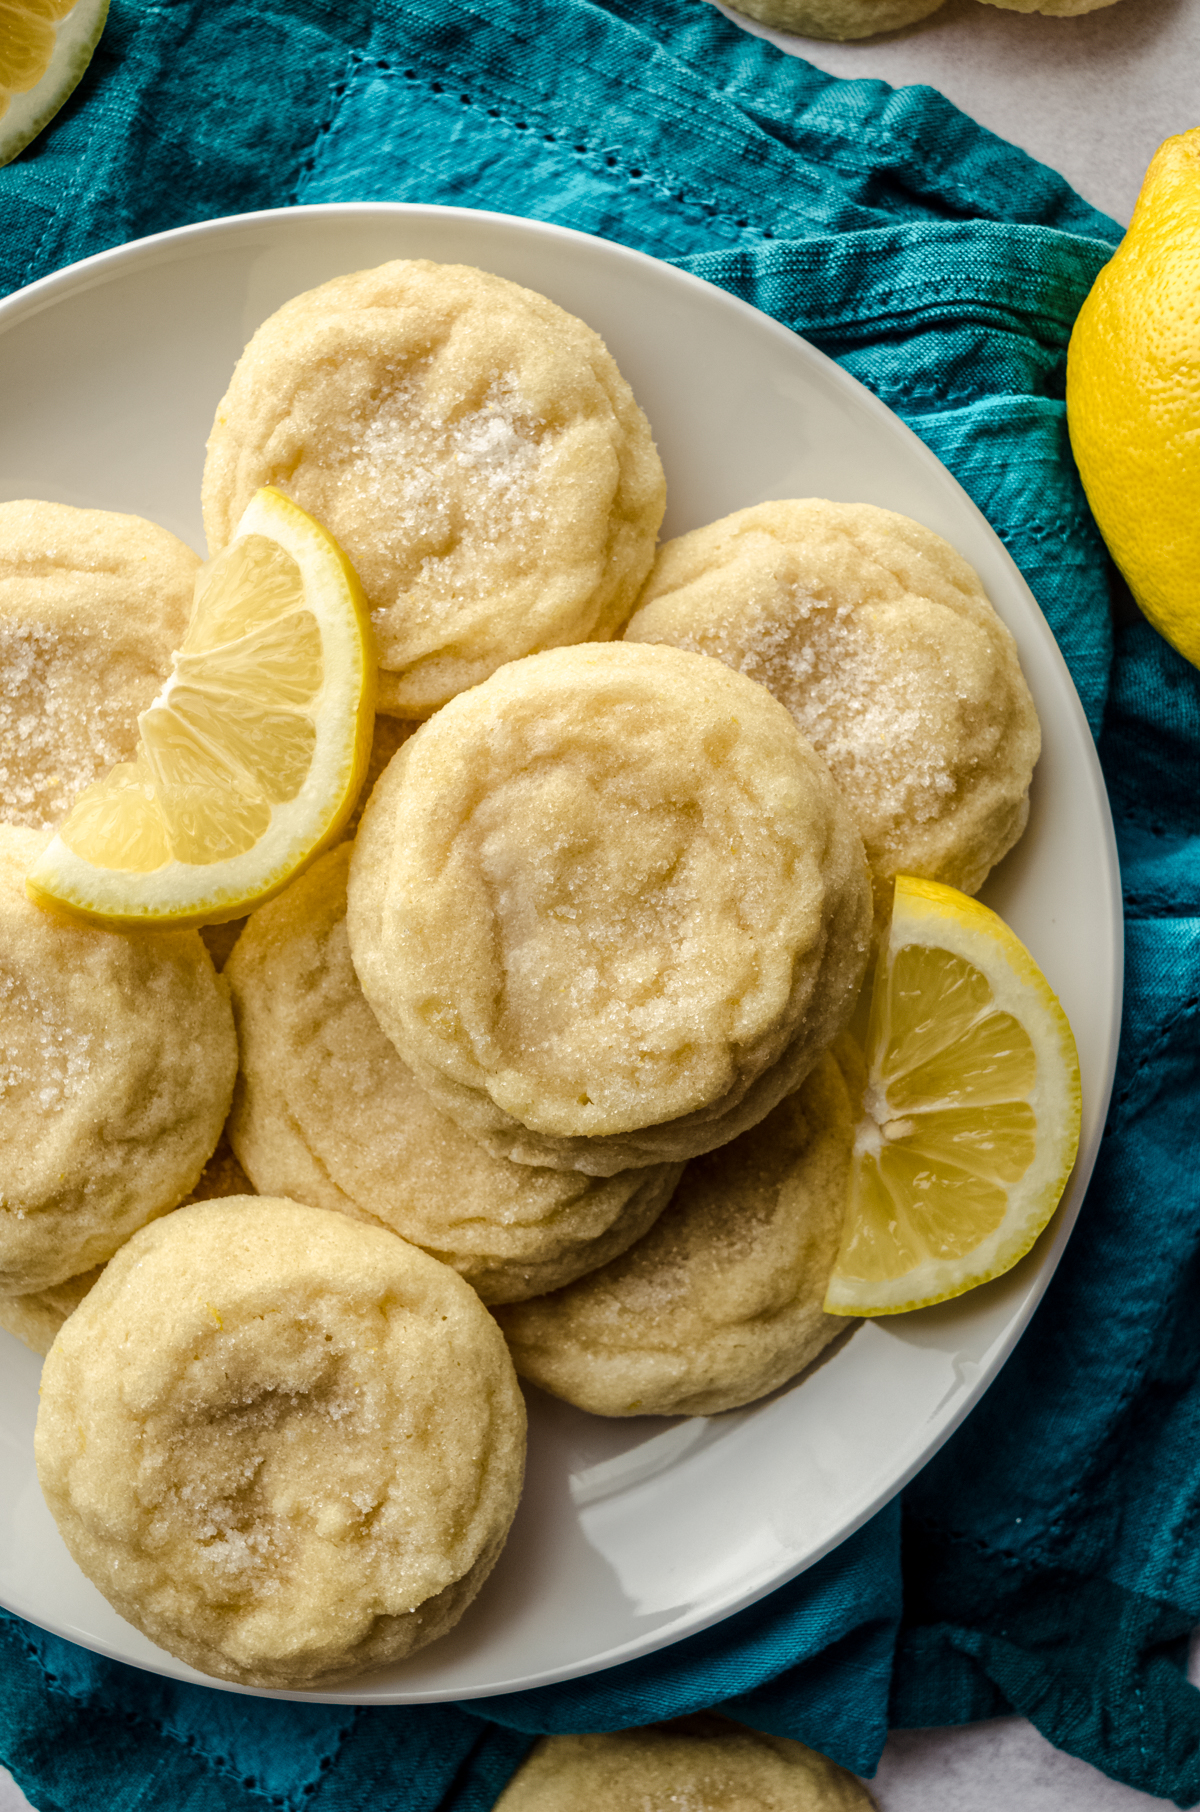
1093 96
1002 1766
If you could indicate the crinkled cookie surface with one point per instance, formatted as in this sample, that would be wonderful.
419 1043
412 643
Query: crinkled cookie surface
117 1063
327 1111
304 1441
721 1301
92 606
472 447
881 642
609 907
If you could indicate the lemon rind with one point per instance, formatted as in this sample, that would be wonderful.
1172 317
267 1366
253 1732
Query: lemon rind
182 894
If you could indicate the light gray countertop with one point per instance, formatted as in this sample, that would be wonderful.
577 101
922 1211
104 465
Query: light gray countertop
1093 96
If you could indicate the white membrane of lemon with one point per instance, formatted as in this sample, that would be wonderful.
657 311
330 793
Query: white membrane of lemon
289 758
966 1140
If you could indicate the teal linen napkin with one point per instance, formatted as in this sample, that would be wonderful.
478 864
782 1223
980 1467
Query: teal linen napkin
1047 1558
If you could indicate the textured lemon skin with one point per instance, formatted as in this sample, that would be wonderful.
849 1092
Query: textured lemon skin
1133 397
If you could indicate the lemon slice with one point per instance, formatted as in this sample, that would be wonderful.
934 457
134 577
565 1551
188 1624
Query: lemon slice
45 46
971 1110
251 756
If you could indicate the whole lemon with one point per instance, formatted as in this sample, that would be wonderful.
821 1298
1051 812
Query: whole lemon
1133 396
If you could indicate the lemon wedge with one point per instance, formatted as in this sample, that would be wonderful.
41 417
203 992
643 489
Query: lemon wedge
45 46
970 1117
251 756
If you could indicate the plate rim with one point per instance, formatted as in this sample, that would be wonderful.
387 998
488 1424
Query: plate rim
86 273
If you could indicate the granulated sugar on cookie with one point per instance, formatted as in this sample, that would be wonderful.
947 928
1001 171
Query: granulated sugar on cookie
609 907
472 447
117 1064
881 642
305 1441
92 605
326 1111
721 1301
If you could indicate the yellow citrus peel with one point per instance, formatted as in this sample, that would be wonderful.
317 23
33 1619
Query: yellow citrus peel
1133 396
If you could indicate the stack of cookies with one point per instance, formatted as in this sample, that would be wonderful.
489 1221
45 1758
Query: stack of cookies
562 1031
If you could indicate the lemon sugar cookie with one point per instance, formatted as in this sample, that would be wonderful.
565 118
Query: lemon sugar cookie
721 1301
881 642
327 1112
37 1316
305 1441
609 907
705 1763
92 603
1059 9
472 447
840 19
117 1064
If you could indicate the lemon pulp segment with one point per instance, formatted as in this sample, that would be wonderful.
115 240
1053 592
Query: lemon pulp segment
230 735
27 39
250 758
45 46
971 1110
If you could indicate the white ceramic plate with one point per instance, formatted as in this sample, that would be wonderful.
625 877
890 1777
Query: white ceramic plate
631 1534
